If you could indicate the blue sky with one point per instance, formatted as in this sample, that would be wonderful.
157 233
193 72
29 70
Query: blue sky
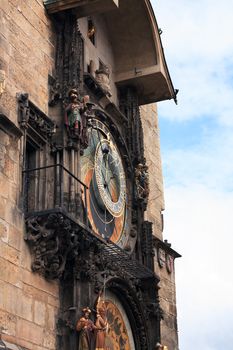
197 155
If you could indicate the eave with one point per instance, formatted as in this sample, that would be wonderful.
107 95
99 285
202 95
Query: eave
133 32
167 247
138 51
81 7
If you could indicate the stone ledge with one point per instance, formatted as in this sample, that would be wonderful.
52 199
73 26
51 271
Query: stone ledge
8 126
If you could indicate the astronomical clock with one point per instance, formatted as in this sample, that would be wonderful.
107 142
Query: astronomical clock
87 188
103 172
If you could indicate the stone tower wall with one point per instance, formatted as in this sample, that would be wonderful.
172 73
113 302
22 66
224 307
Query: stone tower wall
28 303
155 206
149 117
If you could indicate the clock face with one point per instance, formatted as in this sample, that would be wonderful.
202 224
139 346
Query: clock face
102 171
110 177
119 334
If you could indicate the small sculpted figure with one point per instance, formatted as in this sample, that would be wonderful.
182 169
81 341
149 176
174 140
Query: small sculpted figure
142 181
75 114
86 329
102 77
87 115
101 324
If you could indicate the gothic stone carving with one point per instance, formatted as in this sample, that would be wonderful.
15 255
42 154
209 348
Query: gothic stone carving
30 116
147 244
142 182
133 133
51 237
102 77
57 242
69 61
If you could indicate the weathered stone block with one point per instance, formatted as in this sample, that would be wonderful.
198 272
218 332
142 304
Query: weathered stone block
39 282
14 215
28 345
15 237
29 331
13 191
9 168
8 300
2 154
51 312
25 258
3 202
53 301
4 229
9 253
24 306
4 185
40 11
7 323
10 273
39 313
36 294
49 340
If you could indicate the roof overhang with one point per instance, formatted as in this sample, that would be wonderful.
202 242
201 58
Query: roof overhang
138 51
150 83
139 60
82 7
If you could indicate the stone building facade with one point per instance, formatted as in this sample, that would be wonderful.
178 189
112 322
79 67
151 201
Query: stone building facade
80 222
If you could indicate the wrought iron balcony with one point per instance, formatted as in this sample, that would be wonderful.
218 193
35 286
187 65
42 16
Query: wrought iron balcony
57 229
54 188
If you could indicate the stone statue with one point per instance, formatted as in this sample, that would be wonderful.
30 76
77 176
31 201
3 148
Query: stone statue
102 77
101 324
142 181
86 329
75 114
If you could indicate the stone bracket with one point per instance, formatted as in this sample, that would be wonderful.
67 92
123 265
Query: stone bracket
53 239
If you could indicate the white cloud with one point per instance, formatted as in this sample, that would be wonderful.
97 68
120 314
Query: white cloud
198 45
209 163
198 42
193 29
199 221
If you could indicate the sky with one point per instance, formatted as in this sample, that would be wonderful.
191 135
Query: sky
197 155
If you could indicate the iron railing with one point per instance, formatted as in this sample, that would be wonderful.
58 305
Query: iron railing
54 187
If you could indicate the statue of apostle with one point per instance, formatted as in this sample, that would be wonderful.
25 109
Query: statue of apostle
86 329
75 113
101 324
